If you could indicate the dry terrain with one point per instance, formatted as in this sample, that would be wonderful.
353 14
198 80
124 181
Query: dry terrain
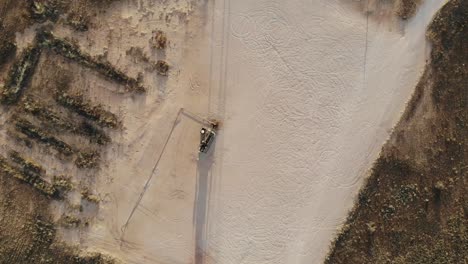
414 208
312 92
99 100
102 102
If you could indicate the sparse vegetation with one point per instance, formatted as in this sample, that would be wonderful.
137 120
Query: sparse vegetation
7 50
38 134
415 199
87 160
70 221
20 75
159 40
27 232
96 135
78 21
61 124
26 175
19 138
71 51
407 8
26 164
62 183
12 20
45 114
88 196
42 11
96 113
162 67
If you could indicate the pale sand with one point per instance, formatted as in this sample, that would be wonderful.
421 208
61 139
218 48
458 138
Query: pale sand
307 109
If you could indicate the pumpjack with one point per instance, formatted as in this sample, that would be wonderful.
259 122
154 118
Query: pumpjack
207 136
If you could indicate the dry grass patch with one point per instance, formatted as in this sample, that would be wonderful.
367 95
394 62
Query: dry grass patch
413 208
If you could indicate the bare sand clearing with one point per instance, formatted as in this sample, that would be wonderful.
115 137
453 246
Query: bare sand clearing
307 93
160 229
312 91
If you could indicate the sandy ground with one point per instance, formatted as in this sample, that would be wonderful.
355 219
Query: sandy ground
148 180
160 230
307 93
312 91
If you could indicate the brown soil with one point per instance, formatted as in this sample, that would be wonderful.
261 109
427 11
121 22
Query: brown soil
13 17
159 40
16 15
382 10
414 208
27 234
407 8
27 229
